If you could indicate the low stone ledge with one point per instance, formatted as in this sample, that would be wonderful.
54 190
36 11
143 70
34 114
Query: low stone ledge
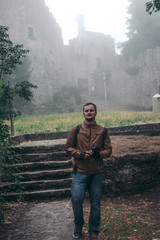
37 137
151 126
146 129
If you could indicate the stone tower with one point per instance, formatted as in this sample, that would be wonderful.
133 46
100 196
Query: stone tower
91 54
80 24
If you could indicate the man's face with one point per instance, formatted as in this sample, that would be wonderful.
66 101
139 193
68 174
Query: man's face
89 113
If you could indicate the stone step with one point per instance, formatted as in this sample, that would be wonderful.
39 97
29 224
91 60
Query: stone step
39 195
34 166
45 171
45 174
38 157
37 185
38 149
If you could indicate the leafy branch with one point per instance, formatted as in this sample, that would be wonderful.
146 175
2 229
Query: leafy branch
153 6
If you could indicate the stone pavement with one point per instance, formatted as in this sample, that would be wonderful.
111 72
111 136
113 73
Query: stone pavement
44 221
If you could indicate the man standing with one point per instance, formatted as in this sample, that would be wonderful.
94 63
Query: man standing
88 146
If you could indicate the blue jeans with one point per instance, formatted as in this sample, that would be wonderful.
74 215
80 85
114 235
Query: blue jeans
80 183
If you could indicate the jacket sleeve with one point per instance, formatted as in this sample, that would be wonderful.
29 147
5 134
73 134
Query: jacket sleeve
107 149
70 148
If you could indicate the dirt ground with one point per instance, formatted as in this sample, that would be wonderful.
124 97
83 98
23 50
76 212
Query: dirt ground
147 203
135 143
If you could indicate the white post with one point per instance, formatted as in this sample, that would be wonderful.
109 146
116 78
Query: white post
105 91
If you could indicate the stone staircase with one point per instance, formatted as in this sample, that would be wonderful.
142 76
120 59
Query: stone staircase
45 172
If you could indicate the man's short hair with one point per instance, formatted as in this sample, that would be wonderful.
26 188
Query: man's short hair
90 103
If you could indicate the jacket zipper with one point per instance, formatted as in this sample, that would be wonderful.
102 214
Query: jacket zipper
90 139
89 149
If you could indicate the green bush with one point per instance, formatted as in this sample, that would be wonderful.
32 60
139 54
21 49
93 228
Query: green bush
132 70
67 99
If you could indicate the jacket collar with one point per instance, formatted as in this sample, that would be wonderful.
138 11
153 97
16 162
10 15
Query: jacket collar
88 124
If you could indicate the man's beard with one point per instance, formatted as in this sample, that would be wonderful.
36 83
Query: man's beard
89 119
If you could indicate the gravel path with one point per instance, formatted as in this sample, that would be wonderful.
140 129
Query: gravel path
43 221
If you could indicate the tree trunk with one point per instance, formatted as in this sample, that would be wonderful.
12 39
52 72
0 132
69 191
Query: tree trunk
12 125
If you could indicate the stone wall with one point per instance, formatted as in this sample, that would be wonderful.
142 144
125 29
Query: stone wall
131 173
135 81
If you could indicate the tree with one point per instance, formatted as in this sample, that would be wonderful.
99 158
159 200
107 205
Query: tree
143 30
153 6
10 56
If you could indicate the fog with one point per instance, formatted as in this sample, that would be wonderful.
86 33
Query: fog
108 17
89 67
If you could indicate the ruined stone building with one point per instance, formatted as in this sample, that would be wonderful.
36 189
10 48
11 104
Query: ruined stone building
137 80
90 54
31 24
89 61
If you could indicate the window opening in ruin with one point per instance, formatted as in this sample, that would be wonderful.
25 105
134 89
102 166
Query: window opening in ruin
99 63
30 33
83 85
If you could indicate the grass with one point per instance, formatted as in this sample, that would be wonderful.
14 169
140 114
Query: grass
64 122
122 222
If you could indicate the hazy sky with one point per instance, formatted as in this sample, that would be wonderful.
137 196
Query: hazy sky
105 16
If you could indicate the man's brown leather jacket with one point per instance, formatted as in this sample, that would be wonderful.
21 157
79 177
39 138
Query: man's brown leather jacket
88 137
